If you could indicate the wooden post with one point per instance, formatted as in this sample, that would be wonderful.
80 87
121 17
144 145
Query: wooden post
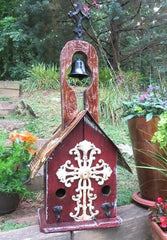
69 101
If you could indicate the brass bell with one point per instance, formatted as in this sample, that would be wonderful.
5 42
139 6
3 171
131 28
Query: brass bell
78 70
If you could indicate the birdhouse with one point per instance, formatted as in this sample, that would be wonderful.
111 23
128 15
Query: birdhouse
80 160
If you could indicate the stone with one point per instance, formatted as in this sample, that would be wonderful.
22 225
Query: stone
7 107
11 125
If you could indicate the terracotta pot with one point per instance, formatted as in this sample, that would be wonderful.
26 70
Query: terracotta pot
8 202
157 232
152 183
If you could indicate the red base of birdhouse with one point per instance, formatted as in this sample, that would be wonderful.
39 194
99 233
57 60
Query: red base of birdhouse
75 226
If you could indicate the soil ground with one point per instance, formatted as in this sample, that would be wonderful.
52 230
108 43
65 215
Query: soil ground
26 211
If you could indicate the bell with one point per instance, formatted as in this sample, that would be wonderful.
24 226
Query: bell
78 70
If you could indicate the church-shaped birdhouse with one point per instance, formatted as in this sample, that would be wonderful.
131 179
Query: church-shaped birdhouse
80 160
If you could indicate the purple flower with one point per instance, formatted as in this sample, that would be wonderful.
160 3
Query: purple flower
153 100
157 87
150 88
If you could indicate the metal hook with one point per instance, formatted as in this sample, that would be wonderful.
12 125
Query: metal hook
57 210
106 207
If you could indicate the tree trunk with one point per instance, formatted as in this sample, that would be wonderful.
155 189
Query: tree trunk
115 47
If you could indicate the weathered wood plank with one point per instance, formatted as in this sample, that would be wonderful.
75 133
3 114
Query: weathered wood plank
32 233
135 226
9 84
9 89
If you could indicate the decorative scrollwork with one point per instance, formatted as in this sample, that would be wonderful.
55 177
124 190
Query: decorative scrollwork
84 153
79 15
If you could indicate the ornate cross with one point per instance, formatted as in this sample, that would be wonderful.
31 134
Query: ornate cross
79 14
84 152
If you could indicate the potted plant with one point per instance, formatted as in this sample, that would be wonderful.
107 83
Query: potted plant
158 219
143 112
14 171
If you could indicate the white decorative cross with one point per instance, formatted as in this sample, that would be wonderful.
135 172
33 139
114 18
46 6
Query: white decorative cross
84 155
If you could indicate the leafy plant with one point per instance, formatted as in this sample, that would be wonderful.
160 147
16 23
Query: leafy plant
161 135
14 160
160 160
41 76
152 103
158 213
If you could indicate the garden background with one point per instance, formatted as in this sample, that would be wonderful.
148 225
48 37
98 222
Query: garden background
131 41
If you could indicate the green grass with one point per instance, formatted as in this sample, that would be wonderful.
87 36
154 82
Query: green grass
7 226
5 99
47 108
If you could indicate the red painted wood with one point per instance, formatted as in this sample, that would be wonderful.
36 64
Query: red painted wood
67 226
68 96
86 129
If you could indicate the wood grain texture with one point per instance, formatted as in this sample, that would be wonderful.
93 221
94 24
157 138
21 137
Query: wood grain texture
9 89
68 96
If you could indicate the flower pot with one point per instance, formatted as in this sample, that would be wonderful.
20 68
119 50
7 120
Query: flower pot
152 183
8 202
157 232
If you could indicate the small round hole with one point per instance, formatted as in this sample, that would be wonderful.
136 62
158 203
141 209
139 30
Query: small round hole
60 193
106 190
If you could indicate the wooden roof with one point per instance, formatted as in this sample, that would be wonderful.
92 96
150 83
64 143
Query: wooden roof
58 137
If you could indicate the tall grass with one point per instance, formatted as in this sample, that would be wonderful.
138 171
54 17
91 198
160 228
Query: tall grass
114 89
42 76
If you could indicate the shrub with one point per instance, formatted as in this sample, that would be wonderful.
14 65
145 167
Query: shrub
44 77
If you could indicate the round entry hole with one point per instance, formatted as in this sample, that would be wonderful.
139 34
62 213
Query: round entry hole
106 190
60 193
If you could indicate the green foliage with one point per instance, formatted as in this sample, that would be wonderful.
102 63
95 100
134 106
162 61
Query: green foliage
111 99
150 104
109 102
105 77
37 20
161 135
7 226
14 53
14 162
132 36
44 77
9 8
115 88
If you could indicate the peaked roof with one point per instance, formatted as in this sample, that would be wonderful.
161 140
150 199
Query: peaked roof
58 137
